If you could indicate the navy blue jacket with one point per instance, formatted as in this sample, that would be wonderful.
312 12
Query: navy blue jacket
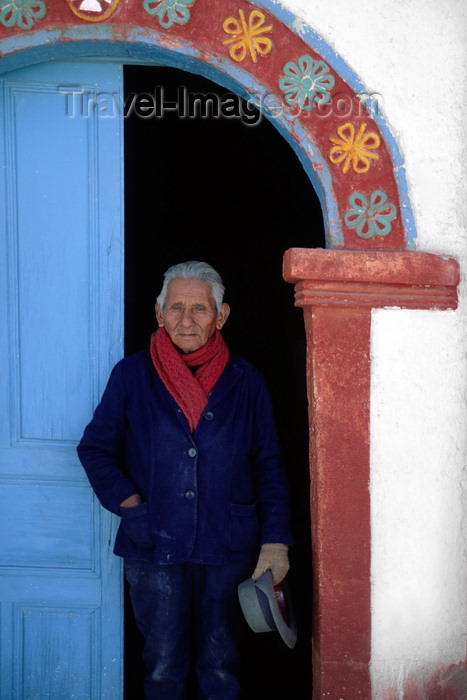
210 497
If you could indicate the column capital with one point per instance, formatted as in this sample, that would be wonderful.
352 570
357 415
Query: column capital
373 279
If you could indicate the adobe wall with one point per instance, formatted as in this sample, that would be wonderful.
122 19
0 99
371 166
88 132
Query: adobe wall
415 56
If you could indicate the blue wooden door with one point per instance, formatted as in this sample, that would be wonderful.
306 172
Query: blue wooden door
61 332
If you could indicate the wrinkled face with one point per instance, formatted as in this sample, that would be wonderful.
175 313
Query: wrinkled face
189 314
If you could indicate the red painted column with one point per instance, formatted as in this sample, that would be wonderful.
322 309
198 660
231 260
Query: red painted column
337 290
339 384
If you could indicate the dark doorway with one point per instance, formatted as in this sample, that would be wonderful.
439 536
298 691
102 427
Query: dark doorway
235 195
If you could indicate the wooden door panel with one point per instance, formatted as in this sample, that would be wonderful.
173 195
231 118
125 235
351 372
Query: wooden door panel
61 308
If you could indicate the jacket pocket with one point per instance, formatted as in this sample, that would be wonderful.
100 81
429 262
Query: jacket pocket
137 527
243 527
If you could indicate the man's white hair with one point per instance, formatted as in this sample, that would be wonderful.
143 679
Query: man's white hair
194 270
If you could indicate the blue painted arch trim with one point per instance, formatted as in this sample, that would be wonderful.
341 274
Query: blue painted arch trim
317 43
142 46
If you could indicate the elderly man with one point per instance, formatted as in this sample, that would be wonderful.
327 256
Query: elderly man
183 447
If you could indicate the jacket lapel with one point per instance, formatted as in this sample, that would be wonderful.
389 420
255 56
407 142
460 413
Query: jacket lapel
226 382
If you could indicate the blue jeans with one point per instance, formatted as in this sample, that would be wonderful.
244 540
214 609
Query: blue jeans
177 603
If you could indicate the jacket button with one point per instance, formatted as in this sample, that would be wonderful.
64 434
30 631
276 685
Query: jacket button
190 494
209 415
192 452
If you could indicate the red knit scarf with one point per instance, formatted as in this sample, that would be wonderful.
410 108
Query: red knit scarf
189 390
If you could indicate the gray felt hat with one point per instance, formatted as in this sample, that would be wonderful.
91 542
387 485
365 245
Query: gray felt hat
267 608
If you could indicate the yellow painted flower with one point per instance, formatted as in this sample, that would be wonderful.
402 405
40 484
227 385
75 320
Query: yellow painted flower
246 35
354 149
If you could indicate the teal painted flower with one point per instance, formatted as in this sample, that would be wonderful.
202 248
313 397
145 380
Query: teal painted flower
169 11
23 13
370 218
306 82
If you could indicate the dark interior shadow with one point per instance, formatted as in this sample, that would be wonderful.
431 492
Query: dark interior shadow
236 196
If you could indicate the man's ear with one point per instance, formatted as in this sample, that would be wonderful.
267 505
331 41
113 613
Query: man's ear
222 316
159 314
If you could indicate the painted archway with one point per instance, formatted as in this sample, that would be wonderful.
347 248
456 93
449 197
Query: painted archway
263 53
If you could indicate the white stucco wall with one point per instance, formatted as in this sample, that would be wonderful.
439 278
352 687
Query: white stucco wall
414 54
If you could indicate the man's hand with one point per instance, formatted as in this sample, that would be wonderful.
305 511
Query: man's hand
274 557
134 500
